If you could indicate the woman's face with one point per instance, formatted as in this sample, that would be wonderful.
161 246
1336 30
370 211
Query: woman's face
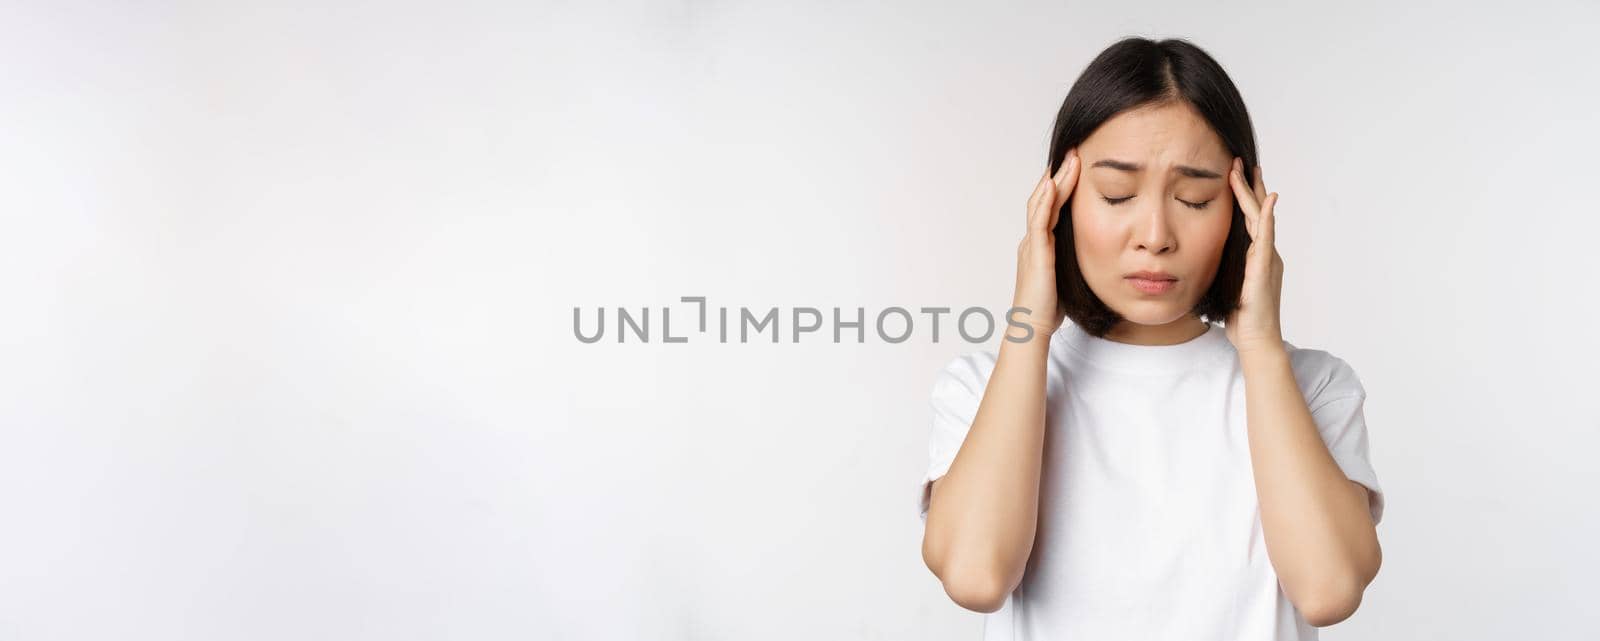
1152 196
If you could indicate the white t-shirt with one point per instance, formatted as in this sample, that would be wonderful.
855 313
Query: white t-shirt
1149 527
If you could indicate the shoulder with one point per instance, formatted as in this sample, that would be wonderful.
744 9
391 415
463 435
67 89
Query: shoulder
966 373
1322 375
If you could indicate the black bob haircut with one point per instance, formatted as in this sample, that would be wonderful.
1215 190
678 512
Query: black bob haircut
1135 73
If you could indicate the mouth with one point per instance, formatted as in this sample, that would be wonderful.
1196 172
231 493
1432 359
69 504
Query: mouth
1152 282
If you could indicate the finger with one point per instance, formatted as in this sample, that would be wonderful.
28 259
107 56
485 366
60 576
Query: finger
1040 213
1241 187
1038 192
1066 181
1268 225
1247 200
1259 190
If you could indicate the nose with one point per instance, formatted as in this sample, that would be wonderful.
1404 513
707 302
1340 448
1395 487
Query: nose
1154 234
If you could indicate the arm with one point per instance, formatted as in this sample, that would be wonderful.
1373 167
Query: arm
1319 532
983 512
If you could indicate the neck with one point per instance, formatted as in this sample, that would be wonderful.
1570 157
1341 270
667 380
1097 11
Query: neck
1182 330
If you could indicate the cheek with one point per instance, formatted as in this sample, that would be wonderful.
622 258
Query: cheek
1088 231
1205 238
1098 239
1212 230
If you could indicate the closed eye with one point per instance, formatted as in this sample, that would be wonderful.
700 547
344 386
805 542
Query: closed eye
1118 201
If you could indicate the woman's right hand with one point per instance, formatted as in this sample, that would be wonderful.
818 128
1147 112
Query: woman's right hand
1036 255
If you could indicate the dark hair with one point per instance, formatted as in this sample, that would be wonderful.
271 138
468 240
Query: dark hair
1135 73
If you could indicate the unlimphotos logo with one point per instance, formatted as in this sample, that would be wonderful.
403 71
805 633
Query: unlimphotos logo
893 324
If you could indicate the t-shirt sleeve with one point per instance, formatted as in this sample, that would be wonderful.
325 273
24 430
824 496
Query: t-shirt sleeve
1339 413
957 391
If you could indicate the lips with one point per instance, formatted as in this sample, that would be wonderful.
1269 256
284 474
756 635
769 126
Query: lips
1152 282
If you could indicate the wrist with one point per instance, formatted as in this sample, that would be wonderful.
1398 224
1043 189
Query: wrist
1021 318
1021 340
1262 353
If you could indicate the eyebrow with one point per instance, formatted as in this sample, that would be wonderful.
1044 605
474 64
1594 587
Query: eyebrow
1186 170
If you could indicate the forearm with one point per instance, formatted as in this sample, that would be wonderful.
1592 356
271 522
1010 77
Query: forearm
1318 530
982 516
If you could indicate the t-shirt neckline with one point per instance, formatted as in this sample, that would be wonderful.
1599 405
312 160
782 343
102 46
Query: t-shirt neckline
1128 357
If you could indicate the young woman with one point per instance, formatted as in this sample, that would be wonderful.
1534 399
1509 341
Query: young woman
1133 470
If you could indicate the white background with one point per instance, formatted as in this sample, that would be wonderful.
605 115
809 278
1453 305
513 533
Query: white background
286 299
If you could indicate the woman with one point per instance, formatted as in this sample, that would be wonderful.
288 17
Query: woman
1132 470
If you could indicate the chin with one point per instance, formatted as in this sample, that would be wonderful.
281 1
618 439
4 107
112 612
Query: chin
1151 312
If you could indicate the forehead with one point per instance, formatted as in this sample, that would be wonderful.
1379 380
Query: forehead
1170 132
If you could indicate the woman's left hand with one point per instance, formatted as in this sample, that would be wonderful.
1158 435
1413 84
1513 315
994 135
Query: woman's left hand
1254 325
